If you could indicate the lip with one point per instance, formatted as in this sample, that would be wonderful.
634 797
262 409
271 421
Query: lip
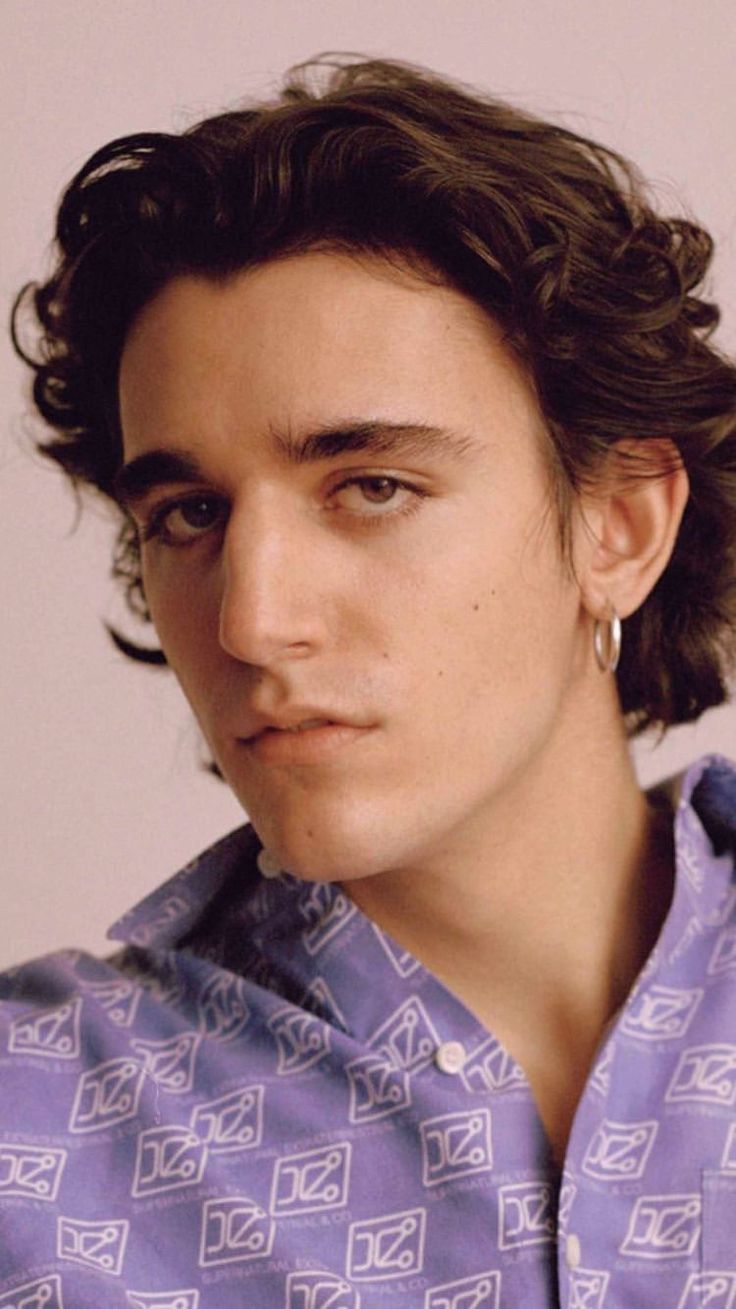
311 746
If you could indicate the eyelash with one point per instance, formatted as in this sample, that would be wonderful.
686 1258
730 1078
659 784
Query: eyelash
154 526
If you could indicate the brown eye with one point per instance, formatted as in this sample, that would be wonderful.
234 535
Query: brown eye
375 500
371 490
181 522
196 513
382 487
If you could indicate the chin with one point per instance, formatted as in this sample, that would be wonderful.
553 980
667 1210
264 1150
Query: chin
319 862
336 830
321 849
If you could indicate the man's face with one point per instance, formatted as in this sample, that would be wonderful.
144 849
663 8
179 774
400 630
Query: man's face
431 607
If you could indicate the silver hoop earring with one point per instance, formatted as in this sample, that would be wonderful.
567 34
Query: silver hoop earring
608 653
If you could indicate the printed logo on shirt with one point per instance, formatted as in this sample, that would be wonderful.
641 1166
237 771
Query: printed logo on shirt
235 1228
729 1150
107 1094
168 912
391 1245
31 1171
491 1068
587 1288
619 1151
454 1145
311 1180
661 1013
663 1227
167 1158
170 1063
600 1077
568 1191
231 1122
690 849
723 958
163 1299
709 1291
42 1294
119 999
318 999
377 1088
327 912
96 1245
302 1039
483 1291
725 910
320 1291
525 1215
401 960
222 1006
53 1032
408 1037
706 1073
692 931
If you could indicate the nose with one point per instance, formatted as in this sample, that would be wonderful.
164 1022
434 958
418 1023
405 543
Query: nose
272 606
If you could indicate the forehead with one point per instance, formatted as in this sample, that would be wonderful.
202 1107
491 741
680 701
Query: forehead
312 338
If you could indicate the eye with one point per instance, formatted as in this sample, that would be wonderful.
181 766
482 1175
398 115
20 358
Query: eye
183 521
377 490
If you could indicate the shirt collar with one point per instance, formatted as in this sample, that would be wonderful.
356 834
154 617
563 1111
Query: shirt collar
170 912
705 838
702 797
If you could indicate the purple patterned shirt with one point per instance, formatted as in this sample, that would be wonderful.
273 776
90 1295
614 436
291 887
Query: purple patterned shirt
263 1102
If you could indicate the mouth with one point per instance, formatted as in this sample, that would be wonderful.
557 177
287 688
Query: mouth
307 726
313 741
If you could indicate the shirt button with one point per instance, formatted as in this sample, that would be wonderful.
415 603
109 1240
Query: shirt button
450 1056
267 864
573 1253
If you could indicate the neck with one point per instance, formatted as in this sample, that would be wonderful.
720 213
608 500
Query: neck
541 912
546 910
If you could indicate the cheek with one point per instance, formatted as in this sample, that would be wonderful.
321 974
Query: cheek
493 622
181 626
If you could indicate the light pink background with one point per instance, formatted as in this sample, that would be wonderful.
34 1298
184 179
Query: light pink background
101 796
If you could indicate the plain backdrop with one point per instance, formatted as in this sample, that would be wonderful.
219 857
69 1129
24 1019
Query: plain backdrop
102 798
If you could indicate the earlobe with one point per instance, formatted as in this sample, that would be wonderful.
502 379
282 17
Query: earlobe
632 520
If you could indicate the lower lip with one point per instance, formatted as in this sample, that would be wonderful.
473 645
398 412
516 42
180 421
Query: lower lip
311 746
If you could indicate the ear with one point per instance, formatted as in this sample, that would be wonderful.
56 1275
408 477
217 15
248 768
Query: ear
630 530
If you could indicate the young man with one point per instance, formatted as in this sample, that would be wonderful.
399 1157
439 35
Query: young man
426 474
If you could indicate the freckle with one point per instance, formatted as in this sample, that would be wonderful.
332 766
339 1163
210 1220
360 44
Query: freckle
476 608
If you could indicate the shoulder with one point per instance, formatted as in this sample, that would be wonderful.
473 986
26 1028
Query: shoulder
73 1026
59 1015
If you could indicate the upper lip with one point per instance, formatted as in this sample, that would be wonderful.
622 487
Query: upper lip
292 716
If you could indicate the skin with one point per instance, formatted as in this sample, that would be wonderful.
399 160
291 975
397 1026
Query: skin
491 821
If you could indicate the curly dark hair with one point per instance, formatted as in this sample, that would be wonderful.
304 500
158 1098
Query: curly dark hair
552 234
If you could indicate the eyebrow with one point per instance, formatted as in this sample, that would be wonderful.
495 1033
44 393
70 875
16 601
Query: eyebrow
155 468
